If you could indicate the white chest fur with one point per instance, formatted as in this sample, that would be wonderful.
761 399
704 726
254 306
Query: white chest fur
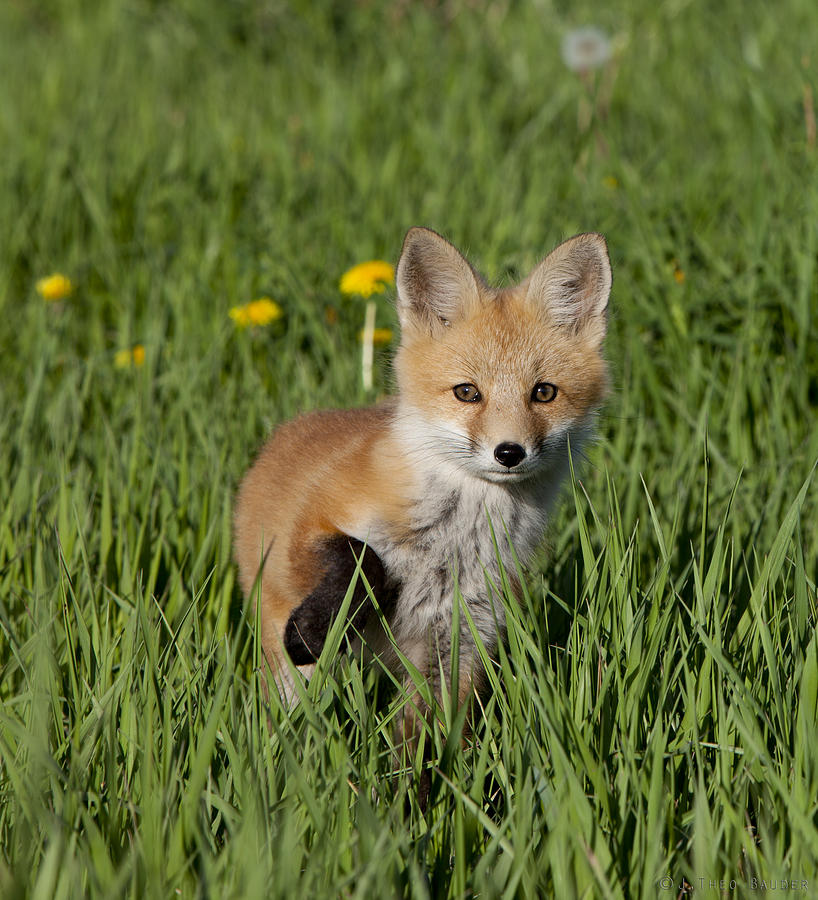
460 531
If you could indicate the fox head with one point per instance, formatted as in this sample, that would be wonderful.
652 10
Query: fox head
496 381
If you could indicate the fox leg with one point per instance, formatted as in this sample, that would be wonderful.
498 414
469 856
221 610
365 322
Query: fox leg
306 630
433 657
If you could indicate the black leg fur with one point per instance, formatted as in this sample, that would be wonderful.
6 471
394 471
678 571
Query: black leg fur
310 622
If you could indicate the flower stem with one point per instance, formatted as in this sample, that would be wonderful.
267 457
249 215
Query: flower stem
369 342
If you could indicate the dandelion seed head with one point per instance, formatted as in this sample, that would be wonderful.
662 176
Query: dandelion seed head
586 48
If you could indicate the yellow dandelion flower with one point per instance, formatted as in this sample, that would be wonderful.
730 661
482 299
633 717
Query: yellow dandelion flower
367 278
54 287
380 336
257 312
611 182
678 273
125 359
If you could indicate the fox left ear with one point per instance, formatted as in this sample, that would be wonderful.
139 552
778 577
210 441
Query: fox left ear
436 285
573 284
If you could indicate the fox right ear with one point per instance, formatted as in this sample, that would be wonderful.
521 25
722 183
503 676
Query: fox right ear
573 284
436 285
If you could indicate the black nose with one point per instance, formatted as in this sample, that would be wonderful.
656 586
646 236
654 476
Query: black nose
508 454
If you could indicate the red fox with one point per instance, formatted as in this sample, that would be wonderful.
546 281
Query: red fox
492 386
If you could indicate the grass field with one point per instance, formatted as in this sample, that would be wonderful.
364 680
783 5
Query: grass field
654 722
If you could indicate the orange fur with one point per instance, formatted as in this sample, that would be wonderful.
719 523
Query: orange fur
314 476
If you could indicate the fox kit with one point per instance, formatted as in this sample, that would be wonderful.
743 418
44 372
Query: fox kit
492 385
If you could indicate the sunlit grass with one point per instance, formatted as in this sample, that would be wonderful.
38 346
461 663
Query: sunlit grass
655 712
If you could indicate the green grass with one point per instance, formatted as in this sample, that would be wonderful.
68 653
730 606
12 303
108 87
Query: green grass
656 711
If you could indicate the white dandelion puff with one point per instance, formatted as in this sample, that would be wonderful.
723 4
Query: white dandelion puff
584 49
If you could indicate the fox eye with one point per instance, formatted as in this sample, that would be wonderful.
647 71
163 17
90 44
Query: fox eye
468 393
544 392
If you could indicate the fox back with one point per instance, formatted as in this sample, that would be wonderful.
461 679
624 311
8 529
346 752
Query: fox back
495 388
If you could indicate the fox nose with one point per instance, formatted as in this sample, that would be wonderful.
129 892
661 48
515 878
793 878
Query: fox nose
508 454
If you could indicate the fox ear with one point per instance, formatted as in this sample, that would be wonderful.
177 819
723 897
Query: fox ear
436 285
573 283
